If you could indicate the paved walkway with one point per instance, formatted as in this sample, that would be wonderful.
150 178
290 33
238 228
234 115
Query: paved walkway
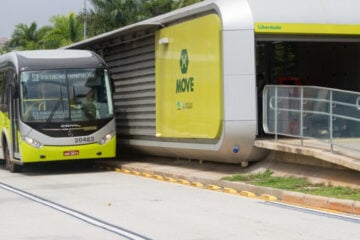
209 175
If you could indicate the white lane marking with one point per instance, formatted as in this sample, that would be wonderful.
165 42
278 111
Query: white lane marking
81 216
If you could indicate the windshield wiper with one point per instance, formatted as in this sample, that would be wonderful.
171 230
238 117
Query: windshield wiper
57 104
54 109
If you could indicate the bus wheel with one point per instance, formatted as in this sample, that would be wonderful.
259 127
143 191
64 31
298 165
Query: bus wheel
10 165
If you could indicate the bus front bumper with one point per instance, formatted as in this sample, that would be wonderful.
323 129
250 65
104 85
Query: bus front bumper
30 154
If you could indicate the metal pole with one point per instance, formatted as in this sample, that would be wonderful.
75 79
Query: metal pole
302 115
276 113
85 11
331 122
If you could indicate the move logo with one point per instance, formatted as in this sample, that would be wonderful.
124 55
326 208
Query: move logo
184 84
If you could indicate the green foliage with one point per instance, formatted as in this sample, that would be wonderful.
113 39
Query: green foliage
67 29
266 179
184 3
26 37
156 7
105 15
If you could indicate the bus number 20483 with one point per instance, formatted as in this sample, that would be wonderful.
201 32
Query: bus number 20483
85 139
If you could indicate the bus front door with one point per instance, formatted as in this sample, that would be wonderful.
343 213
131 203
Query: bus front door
14 111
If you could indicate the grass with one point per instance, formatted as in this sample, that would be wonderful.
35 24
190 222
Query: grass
266 179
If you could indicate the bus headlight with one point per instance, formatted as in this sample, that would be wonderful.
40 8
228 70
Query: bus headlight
106 138
32 142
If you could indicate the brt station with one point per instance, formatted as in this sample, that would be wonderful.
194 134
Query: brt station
289 76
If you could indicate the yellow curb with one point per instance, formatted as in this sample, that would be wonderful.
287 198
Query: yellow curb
136 173
301 205
247 194
126 171
158 177
169 179
268 197
183 181
148 175
213 187
230 190
197 184
118 170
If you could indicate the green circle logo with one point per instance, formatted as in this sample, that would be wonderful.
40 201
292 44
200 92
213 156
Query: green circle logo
184 61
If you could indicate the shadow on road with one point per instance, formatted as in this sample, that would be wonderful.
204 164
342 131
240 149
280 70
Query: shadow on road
54 168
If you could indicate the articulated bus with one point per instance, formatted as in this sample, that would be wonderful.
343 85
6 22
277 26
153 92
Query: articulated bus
55 105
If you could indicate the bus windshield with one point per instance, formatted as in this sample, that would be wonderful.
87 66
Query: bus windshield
66 95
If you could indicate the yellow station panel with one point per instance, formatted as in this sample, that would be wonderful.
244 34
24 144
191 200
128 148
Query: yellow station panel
189 79
300 28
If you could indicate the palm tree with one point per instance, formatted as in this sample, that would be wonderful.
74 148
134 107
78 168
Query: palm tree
108 15
27 37
66 30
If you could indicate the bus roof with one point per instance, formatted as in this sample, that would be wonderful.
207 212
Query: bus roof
51 59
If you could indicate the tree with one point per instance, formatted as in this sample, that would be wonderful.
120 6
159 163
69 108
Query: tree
156 7
107 15
66 30
183 3
27 37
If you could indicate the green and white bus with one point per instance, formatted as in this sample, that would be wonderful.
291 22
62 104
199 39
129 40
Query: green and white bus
55 105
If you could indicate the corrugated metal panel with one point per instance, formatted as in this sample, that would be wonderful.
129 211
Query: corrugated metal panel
132 66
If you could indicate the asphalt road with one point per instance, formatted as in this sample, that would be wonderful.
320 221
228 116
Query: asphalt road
67 202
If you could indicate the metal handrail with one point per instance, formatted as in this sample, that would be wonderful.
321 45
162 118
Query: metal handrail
311 112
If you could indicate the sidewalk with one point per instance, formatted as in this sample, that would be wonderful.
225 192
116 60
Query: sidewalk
208 175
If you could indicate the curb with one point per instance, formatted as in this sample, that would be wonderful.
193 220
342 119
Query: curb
301 199
340 205
243 189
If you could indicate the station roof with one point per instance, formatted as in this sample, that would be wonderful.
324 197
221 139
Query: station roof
263 16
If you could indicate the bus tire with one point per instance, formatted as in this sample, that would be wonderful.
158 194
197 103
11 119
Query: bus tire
10 165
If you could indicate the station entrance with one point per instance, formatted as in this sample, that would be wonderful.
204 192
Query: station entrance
323 61
309 88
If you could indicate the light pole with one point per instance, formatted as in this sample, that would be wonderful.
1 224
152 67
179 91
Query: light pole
85 11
